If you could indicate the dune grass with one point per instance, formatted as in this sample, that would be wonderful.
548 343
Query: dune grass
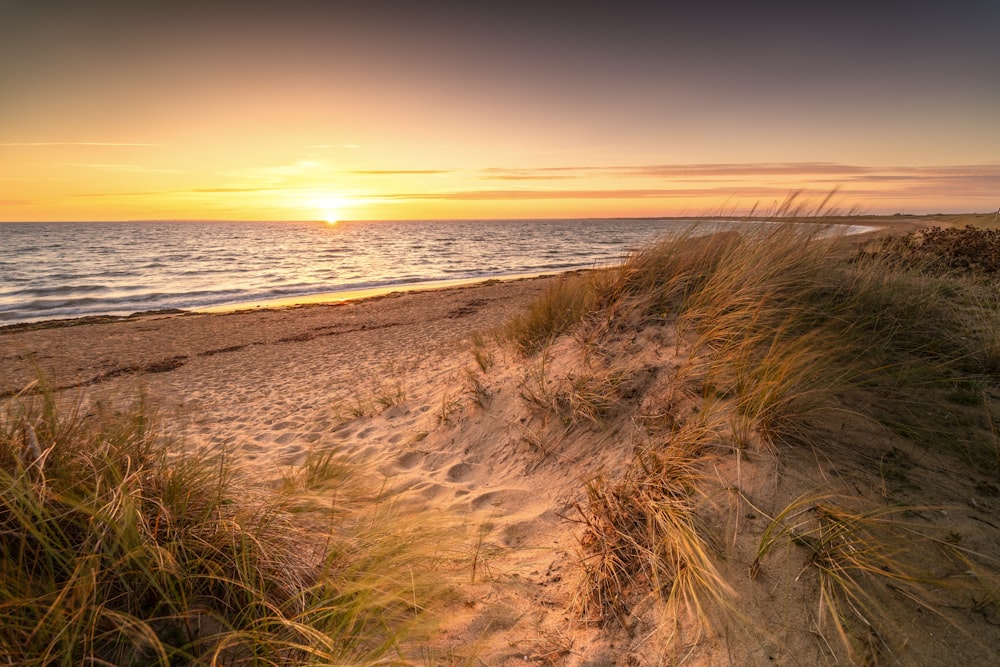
786 318
641 531
785 329
113 551
856 555
553 314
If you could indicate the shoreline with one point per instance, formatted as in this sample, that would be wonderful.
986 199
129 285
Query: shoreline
341 296
99 351
333 298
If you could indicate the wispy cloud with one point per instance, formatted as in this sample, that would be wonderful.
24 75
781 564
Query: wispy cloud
676 171
18 179
725 170
955 181
977 184
131 168
540 173
397 172
735 180
189 191
729 170
148 193
74 143
639 193
230 190
500 174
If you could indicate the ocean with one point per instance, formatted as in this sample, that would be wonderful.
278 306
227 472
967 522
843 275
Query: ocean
65 270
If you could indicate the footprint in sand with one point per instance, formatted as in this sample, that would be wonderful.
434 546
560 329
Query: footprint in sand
344 430
286 438
284 426
459 472
487 499
511 499
365 453
367 432
396 411
410 459
427 490
291 455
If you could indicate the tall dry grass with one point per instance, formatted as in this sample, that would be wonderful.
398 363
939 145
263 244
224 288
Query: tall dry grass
113 551
642 531
782 327
786 318
553 314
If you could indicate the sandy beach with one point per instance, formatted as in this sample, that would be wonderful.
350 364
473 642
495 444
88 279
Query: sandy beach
266 380
371 378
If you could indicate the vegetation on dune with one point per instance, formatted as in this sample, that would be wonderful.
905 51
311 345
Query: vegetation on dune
969 249
791 337
552 315
114 552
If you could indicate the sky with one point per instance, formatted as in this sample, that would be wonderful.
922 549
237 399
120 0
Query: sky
438 110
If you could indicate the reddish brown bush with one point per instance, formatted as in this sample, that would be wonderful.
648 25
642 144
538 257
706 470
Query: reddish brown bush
968 249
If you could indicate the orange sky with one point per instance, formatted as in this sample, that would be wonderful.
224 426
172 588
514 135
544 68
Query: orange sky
303 110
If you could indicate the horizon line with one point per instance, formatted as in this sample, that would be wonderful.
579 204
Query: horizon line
704 216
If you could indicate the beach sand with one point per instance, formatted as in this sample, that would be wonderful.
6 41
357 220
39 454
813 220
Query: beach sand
371 378
266 382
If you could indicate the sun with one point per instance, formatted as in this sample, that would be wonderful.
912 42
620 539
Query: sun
329 207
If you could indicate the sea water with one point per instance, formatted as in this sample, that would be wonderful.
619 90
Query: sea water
64 270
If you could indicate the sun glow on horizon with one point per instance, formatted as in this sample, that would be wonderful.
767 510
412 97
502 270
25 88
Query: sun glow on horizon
329 207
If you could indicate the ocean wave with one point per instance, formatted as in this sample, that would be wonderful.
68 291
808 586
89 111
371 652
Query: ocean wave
56 290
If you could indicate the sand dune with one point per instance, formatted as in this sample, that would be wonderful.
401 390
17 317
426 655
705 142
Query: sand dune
393 383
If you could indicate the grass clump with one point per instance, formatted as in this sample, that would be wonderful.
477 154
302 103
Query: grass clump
559 308
642 532
482 352
114 552
858 557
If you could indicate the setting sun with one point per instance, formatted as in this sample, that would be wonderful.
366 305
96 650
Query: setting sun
329 208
